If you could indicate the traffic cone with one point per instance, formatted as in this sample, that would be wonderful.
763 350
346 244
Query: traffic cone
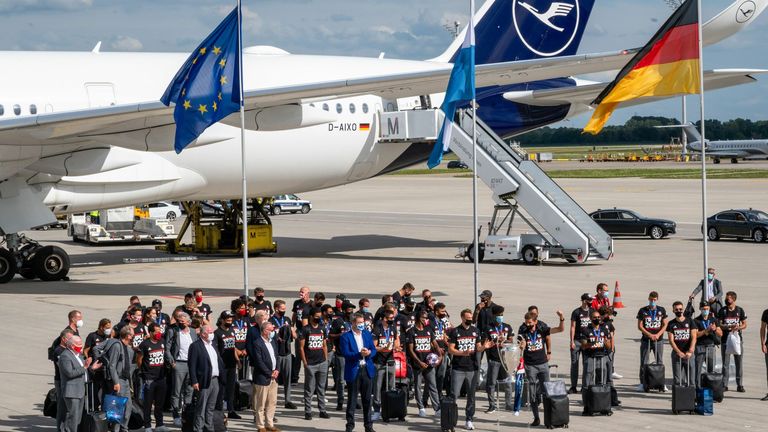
617 303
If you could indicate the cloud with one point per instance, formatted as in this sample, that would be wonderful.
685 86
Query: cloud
43 5
126 43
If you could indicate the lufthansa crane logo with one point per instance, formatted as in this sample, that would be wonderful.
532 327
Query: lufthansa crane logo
745 11
546 27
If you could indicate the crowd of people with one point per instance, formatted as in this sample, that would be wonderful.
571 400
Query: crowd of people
199 360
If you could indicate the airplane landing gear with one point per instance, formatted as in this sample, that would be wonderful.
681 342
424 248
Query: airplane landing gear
31 259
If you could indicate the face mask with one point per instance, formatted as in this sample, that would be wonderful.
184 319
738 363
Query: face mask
442 315
338 304
710 276
156 336
678 314
705 313
361 326
108 331
77 349
468 323
728 302
199 299
365 310
280 312
531 326
259 297
652 303
605 294
271 335
409 309
242 312
499 319
227 325
317 319
596 321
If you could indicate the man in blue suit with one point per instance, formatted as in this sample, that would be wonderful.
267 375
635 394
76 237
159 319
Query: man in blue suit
358 351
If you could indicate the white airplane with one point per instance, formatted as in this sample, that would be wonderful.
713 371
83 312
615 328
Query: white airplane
85 130
727 149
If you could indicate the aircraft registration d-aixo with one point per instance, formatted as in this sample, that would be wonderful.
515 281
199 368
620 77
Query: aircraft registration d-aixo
85 130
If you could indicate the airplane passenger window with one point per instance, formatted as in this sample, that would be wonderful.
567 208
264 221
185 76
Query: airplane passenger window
2 110
365 108
17 109
312 105
352 108
339 109
33 109
325 107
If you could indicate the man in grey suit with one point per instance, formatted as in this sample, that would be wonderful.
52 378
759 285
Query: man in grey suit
74 374
206 373
119 361
178 338
711 291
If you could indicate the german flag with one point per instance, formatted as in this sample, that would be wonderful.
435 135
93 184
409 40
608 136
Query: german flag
668 65
365 127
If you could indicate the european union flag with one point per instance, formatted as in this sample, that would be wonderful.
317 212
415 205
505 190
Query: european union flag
207 87
461 89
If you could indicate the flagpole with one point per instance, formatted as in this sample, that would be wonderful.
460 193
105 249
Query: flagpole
476 234
242 147
703 150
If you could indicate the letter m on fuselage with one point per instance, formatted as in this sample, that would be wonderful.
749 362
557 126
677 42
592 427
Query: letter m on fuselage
393 127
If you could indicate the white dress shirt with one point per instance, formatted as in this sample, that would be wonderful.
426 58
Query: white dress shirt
185 340
360 345
212 356
271 353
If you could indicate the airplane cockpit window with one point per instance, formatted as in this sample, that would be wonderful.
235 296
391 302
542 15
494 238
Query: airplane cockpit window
352 108
339 109
17 109
312 105
325 107
365 108
33 109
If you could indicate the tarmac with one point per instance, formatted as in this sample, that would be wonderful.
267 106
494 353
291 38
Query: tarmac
368 238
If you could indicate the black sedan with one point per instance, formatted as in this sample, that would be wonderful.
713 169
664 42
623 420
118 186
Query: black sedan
739 224
620 222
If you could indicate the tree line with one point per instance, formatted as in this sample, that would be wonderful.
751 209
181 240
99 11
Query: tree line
641 129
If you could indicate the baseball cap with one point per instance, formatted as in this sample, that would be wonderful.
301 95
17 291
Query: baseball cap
347 305
586 296
341 297
486 293
157 302
227 314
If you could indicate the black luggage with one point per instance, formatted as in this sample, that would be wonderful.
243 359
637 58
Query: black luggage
136 420
219 421
597 400
243 391
714 382
556 411
449 414
50 404
684 396
394 402
92 421
653 375
188 415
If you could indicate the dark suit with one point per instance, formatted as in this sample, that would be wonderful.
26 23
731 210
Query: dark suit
264 387
73 376
717 289
260 359
201 373
358 379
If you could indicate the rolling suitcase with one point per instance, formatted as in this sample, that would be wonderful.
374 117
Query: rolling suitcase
714 380
394 402
598 397
50 404
684 396
449 415
556 404
92 420
654 376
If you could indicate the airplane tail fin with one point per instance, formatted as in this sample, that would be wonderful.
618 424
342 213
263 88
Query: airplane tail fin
510 30
690 130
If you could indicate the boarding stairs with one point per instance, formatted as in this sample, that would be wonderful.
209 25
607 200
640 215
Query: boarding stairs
512 178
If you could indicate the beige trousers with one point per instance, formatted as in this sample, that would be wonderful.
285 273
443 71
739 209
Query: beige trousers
264 404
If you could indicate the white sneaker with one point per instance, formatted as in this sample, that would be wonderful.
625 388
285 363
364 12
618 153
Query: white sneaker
376 416
469 425
422 412
616 376
177 422
641 388
666 389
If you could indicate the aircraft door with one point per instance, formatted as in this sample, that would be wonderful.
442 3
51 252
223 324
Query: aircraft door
100 94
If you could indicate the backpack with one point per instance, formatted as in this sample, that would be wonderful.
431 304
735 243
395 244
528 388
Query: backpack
100 351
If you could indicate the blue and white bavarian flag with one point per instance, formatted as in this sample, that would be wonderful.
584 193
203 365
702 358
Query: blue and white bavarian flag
461 90
207 87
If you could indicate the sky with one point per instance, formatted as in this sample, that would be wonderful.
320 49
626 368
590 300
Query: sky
410 29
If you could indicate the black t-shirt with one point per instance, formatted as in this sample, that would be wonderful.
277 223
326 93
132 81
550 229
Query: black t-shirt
465 340
265 305
652 319
764 319
283 335
339 326
535 344
240 328
397 300
205 311
485 318
729 318
139 334
314 338
386 337
541 325
422 342
405 322
92 340
301 310
153 359
681 333
497 333
703 324
583 320
224 341
596 338
442 326
368 319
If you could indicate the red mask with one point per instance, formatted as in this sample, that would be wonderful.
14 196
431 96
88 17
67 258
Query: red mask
199 299
156 336
77 349
338 303
241 312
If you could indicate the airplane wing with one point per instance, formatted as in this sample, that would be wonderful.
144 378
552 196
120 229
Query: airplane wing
74 126
585 94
